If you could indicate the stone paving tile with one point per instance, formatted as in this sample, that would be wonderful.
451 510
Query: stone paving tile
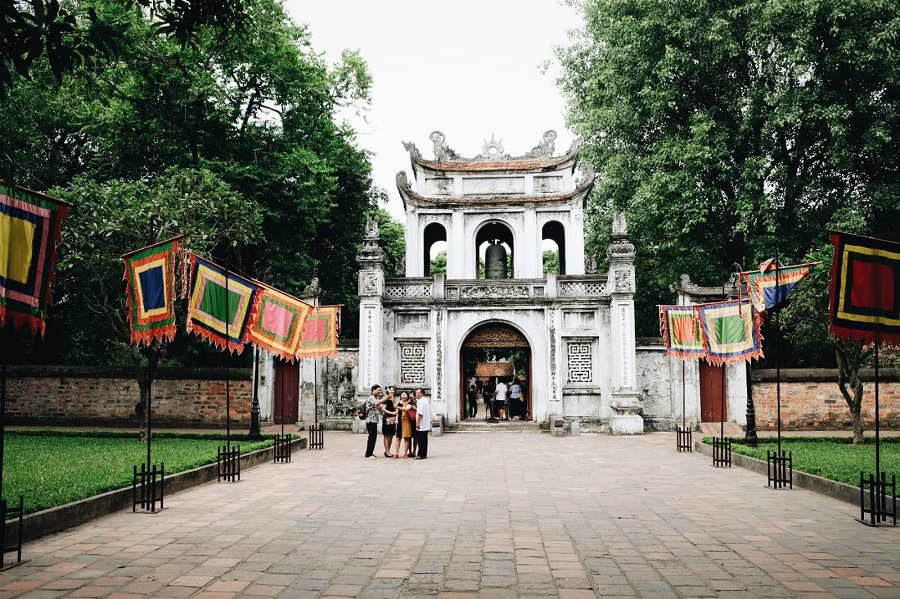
577 517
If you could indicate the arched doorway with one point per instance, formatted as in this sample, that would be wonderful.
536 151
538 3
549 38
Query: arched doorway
493 351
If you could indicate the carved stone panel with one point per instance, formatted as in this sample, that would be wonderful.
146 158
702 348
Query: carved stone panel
412 321
493 185
412 362
439 186
548 184
579 362
579 319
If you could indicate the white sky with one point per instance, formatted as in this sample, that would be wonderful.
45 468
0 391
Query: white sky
469 68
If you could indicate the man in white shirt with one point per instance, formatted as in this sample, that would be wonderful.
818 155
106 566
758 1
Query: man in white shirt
423 423
501 399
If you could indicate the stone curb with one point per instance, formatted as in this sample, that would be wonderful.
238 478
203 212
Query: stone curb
810 482
72 514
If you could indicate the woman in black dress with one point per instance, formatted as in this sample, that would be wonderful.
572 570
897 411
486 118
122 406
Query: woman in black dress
388 420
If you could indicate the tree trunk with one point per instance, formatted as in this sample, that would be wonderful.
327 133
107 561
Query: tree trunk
145 378
851 386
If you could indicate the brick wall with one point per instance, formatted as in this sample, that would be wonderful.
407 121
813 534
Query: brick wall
107 397
812 400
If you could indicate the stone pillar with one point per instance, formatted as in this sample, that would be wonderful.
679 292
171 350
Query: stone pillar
371 328
312 380
625 403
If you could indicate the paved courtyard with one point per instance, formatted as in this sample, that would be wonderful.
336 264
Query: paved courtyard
490 515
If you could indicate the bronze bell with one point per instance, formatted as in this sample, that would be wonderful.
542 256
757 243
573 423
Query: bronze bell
495 262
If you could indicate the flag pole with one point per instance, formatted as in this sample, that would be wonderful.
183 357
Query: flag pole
877 425
227 372
777 310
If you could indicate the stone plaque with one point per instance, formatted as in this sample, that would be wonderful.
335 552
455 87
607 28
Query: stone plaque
439 186
494 185
579 319
548 184
412 321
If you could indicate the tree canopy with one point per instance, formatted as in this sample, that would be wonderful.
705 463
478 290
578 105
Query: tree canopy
732 132
230 138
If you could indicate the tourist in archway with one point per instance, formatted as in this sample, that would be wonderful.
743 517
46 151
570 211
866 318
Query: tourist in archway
516 405
472 401
500 401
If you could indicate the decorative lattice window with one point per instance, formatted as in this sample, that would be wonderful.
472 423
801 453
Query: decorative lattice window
580 360
412 363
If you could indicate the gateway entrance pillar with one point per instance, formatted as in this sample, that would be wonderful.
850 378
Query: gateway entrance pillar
626 419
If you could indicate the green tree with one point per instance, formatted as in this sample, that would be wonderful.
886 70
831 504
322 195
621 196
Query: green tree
732 132
393 242
439 263
68 35
257 111
112 218
551 261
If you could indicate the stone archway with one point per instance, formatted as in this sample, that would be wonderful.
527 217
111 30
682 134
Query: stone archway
500 339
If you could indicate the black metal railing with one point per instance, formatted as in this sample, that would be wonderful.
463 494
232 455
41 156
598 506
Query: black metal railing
882 498
148 487
229 462
282 448
780 469
721 452
12 513
683 439
317 436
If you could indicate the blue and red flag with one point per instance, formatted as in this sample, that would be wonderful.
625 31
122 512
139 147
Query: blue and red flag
150 291
865 288
769 285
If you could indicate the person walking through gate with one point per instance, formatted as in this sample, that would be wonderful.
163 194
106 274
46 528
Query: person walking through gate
472 397
516 407
423 423
373 414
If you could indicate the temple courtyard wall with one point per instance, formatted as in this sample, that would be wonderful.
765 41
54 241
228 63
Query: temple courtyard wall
57 395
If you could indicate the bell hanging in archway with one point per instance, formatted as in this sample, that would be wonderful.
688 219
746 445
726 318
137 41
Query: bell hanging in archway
495 261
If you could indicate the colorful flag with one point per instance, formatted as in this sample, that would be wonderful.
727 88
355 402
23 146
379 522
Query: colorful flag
150 291
220 304
865 288
29 232
681 330
770 284
320 334
730 331
278 322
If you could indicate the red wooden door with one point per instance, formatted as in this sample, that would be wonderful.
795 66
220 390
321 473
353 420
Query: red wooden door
287 392
712 392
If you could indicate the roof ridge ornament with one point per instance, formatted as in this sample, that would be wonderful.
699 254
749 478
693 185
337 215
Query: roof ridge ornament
442 152
492 150
544 149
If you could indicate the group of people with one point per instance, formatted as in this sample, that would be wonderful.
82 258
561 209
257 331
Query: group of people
405 423
501 401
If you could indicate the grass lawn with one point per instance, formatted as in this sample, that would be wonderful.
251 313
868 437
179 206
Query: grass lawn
833 458
53 468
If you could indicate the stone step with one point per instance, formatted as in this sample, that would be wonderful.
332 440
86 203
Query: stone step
482 426
714 429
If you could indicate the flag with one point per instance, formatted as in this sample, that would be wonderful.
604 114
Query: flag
320 334
220 304
680 328
730 331
29 232
865 288
278 322
150 291
768 287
